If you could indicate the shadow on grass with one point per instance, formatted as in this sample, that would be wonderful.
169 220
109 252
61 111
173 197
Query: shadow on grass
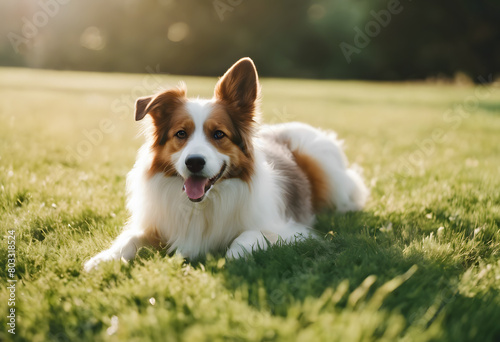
354 249
80 223
475 312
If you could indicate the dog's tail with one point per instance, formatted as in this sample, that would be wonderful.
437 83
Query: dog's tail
319 154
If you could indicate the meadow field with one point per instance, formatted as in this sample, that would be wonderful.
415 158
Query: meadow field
420 263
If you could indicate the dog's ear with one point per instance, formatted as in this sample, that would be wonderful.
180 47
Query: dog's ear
140 107
156 105
239 86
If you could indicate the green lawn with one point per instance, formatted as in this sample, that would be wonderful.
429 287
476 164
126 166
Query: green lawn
387 273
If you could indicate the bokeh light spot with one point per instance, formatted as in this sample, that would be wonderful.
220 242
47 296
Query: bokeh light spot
178 31
92 39
316 12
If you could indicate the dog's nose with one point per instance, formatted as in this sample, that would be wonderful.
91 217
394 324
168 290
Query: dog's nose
195 163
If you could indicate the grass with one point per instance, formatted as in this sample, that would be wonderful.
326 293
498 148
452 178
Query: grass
387 273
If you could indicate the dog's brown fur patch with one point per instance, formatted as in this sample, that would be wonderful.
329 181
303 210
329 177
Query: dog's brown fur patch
236 144
153 237
317 179
169 117
167 143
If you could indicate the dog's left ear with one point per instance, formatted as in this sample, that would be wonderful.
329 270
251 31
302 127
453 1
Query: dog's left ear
239 86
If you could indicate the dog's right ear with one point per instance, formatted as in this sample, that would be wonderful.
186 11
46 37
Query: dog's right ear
161 103
141 106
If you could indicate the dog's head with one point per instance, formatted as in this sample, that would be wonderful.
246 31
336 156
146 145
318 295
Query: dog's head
205 141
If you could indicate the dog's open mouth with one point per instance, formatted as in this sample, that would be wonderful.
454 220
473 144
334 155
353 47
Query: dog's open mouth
196 187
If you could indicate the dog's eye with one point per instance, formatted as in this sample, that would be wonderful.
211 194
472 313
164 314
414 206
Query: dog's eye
181 134
219 135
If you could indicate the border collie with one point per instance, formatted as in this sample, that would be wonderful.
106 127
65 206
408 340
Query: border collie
210 178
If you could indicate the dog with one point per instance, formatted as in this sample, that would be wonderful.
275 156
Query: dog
210 178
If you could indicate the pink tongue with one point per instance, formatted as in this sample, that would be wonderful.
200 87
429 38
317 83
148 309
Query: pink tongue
195 187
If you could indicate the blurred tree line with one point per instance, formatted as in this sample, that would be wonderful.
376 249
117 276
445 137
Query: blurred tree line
361 39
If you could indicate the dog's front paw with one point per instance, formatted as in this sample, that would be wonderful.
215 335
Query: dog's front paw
247 242
104 256
237 251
